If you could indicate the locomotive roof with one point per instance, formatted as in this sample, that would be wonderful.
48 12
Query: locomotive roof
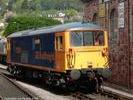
57 28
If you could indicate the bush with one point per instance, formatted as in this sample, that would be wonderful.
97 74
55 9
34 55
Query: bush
29 22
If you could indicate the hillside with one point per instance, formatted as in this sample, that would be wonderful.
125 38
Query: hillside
22 5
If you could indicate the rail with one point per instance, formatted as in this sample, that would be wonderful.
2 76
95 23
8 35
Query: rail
104 95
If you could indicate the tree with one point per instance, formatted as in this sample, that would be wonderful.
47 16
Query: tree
70 13
25 5
28 22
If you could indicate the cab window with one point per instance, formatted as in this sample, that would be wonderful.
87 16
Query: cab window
76 39
87 38
99 39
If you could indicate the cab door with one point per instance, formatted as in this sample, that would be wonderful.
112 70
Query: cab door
60 51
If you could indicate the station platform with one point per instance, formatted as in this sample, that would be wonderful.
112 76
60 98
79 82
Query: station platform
3 66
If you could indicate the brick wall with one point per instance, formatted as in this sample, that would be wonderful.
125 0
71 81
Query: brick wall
90 9
131 40
119 53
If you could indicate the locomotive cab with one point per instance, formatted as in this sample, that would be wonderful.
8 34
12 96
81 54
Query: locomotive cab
89 49
84 53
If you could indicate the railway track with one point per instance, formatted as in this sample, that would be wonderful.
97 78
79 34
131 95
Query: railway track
82 96
104 95
11 90
115 95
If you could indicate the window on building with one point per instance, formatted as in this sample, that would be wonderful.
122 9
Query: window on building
95 18
113 26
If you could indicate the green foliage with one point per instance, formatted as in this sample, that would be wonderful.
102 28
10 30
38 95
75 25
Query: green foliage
61 4
71 13
2 6
22 5
29 22
38 8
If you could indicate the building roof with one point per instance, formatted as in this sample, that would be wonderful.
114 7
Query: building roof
57 28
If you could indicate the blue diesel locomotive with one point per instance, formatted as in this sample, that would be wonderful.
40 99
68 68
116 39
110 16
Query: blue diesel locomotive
68 55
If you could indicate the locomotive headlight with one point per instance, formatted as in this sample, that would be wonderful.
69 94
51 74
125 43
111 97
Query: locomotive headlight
75 74
106 73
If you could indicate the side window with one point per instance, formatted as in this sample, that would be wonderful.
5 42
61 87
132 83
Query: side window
59 43
36 43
